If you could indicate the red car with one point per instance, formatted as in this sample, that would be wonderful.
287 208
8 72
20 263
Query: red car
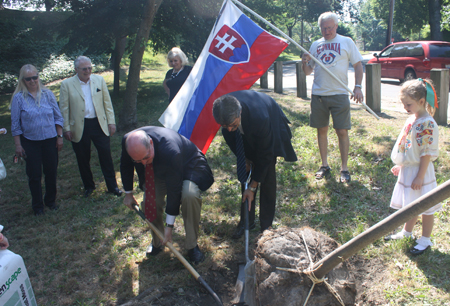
412 59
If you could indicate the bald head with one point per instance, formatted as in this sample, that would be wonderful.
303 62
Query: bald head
139 146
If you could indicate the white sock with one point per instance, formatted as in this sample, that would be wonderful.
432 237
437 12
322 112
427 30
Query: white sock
400 235
423 243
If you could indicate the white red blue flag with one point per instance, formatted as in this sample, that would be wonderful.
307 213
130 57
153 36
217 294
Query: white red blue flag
237 53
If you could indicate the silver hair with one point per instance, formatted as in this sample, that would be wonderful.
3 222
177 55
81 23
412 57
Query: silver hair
81 58
226 109
328 16
177 52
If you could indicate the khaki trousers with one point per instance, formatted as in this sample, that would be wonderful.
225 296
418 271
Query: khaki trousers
191 205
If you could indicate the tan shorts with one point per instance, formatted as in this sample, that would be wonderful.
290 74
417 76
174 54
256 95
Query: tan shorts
337 105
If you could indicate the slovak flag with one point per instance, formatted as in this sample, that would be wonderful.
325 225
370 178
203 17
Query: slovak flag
237 53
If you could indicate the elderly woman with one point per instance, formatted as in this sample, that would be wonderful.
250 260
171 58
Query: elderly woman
176 76
36 125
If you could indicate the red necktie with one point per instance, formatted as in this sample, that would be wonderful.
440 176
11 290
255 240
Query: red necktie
150 199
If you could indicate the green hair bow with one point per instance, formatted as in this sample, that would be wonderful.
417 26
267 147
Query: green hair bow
431 94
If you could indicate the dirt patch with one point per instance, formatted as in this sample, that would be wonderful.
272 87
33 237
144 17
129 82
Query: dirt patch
356 280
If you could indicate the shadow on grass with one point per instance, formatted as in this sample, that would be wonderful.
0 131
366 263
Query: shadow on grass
432 264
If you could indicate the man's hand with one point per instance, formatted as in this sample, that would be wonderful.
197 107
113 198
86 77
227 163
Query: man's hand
129 200
68 135
167 235
111 129
358 96
306 57
248 165
248 195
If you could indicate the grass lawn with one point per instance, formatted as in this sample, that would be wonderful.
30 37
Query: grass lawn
92 251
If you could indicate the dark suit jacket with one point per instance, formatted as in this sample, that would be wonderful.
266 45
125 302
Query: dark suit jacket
266 131
176 159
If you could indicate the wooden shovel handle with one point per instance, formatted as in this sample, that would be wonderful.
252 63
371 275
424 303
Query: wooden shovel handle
179 256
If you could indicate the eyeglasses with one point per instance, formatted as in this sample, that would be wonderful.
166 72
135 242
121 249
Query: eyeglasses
327 28
34 78
233 125
86 69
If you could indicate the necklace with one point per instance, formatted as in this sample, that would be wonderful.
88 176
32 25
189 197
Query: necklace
175 75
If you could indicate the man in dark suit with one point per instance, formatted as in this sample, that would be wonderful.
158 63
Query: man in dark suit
265 134
180 172
89 116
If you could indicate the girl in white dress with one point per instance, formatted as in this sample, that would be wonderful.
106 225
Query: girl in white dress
413 153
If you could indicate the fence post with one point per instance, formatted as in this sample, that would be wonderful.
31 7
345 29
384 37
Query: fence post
373 87
278 77
264 80
440 78
301 81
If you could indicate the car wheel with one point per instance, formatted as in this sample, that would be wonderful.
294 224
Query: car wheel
409 75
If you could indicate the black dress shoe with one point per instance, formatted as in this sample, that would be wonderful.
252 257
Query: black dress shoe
196 256
88 192
39 212
117 192
153 251
415 251
53 207
240 230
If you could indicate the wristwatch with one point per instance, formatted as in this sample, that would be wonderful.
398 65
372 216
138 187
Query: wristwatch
358 86
252 189
60 136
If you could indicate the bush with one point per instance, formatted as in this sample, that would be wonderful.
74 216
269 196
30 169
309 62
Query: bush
55 68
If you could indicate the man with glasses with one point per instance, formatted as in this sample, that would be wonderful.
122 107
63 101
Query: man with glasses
177 171
328 95
259 121
89 116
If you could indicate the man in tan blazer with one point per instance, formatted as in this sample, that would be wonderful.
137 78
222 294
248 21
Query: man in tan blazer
89 116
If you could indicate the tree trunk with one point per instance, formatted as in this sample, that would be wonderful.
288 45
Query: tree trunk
128 114
382 228
119 50
434 10
49 4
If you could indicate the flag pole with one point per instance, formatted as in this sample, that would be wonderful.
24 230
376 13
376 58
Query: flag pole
304 50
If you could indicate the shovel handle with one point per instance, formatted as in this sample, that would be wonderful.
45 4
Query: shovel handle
179 256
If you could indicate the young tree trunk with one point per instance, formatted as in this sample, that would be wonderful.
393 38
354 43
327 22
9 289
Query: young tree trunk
382 228
434 10
128 114
119 50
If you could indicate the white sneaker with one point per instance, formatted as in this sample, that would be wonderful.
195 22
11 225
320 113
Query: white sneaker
423 243
400 235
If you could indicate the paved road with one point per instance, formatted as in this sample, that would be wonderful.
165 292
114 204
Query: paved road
390 88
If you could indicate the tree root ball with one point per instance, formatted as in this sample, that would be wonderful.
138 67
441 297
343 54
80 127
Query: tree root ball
286 248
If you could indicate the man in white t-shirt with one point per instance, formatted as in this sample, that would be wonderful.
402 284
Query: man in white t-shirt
328 95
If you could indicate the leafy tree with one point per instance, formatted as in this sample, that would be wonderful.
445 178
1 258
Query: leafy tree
409 16
370 29
184 23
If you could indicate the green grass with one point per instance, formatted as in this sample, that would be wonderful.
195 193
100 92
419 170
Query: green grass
91 251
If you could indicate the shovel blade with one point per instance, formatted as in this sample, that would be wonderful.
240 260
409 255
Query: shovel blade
239 298
250 284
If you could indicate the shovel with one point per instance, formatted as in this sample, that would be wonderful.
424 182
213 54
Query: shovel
180 257
245 283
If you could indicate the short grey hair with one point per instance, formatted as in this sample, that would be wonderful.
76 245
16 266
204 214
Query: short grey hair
226 109
81 59
328 16
177 52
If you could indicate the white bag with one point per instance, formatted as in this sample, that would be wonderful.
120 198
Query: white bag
2 170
